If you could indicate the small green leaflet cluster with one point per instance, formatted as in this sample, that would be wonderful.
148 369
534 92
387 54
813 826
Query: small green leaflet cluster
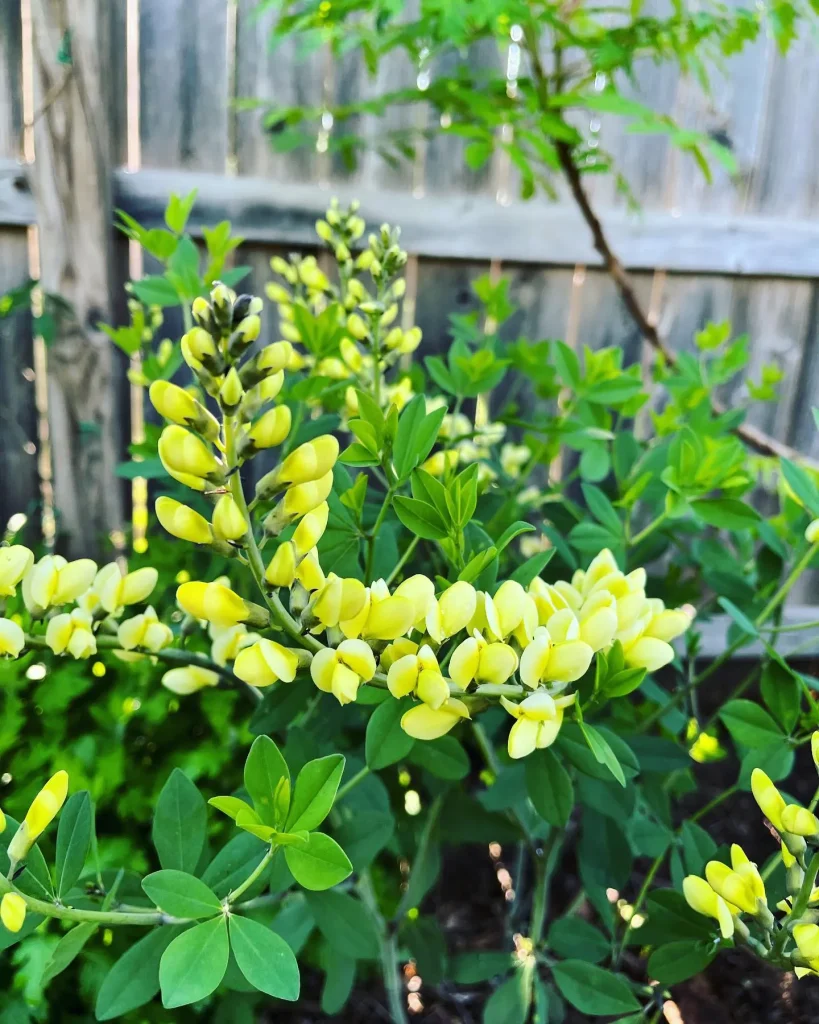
403 441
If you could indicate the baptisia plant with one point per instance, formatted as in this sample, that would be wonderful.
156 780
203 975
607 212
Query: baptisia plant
410 602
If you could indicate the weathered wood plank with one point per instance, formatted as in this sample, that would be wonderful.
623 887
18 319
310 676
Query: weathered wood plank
18 414
183 83
71 181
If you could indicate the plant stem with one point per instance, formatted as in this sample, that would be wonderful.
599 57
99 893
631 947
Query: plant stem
382 514
251 878
387 950
638 903
652 526
352 783
402 561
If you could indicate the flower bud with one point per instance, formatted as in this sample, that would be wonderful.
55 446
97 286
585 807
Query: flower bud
183 522
12 639
12 911
323 230
356 326
814 748
228 521
179 406
184 453
799 821
190 679
768 798
231 391
311 529
281 572
310 461
201 311
269 430
43 810
218 604
812 532
303 498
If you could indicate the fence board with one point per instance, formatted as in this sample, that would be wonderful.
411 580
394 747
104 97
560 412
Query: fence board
18 416
183 84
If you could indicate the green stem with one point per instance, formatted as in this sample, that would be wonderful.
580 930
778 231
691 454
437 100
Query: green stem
173 655
402 561
382 515
652 526
795 628
251 878
638 903
387 950
494 765
352 783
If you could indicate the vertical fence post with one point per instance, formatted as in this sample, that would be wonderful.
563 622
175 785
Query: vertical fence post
71 179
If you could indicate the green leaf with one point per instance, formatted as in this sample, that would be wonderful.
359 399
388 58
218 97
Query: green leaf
726 513
602 509
180 823
574 938
739 617
345 923
592 990
264 958
749 724
420 518
194 964
386 742
781 693
416 434
180 894
509 1003
320 865
267 780
315 792
178 210
73 840
550 787
534 566
339 978
445 758
472 968
698 847
568 365
680 960
233 863
509 534
232 806
802 485
134 978
602 751
67 950
156 291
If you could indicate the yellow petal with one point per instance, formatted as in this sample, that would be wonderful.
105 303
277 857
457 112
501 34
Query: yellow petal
457 607
649 653
535 658
464 663
12 638
568 661
389 619
402 676
189 679
497 663
432 688
425 723
522 738
420 591
358 656
58 633
12 911
322 668
137 585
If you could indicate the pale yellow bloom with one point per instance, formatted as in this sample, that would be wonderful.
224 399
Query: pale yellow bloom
227 641
12 911
539 718
117 589
340 671
269 430
265 663
144 631
228 521
179 406
475 659
12 638
337 600
452 612
216 603
420 590
812 532
189 679
701 897
423 722
556 654
183 522
72 633
311 529
54 581
382 617
281 571
43 810
15 562
799 821
768 798
421 675
184 455
438 463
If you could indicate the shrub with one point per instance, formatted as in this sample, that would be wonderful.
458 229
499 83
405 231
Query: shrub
445 639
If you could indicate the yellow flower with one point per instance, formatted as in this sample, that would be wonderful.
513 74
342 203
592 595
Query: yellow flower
12 638
187 457
12 911
806 937
189 679
814 748
199 349
281 572
382 617
427 723
218 604
440 462
303 498
768 798
144 631
513 457
72 632
739 888
228 522
183 522
420 590
336 601
43 810
269 430
419 674
452 612
799 821
539 717
701 897
397 649
812 532
510 611
311 529
310 461
265 663
275 357
53 581
557 654
342 670
15 562
117 589
309 572
476 659
179 406
2 822
227 641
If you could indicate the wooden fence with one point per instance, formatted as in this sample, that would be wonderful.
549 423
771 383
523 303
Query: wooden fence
146 108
